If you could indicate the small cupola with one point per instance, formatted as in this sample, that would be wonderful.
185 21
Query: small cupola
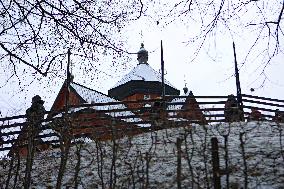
142 55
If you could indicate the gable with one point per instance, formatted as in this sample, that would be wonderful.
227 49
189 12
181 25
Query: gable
74 98
79 94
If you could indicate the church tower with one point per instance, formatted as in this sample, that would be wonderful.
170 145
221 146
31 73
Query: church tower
143 82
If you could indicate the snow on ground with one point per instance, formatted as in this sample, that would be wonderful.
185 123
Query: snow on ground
128 162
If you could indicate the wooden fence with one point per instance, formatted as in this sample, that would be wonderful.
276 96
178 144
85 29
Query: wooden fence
211 106
192 151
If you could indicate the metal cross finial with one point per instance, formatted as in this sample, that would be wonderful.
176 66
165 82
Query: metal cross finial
141 35
184 80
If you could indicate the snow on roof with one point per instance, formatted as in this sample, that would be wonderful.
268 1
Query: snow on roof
142 72
180 100
93 97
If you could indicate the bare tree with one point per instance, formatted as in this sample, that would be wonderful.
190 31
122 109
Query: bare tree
35 34
257 23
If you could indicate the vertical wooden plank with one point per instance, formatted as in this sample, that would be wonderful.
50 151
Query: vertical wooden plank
216 164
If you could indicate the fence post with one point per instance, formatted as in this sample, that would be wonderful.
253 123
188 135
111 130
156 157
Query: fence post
35 115
226 156
215 162
244 159
179 163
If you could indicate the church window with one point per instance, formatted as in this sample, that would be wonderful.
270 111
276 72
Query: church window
146 97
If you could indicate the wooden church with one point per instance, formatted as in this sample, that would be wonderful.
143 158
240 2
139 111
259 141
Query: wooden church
126 110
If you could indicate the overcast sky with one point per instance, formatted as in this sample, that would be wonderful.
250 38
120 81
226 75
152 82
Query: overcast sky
211 73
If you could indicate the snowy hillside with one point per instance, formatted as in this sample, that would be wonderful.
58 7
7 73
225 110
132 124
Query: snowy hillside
149 160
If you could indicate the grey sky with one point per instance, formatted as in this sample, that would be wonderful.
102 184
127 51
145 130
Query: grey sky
211 73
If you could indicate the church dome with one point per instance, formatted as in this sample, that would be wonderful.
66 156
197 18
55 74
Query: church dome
142 79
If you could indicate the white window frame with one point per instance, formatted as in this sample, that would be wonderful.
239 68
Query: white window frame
147 97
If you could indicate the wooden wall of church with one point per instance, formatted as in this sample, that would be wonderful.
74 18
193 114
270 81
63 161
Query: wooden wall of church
59 102
137 97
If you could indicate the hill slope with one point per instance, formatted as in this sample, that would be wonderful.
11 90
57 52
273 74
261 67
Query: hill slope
149 160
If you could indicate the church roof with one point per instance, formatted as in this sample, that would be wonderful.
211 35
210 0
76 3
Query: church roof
142 72
92 96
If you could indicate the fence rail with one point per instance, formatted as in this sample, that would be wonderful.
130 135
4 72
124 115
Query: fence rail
167 143
212 109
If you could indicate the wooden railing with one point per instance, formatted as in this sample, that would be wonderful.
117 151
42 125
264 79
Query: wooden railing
135 120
